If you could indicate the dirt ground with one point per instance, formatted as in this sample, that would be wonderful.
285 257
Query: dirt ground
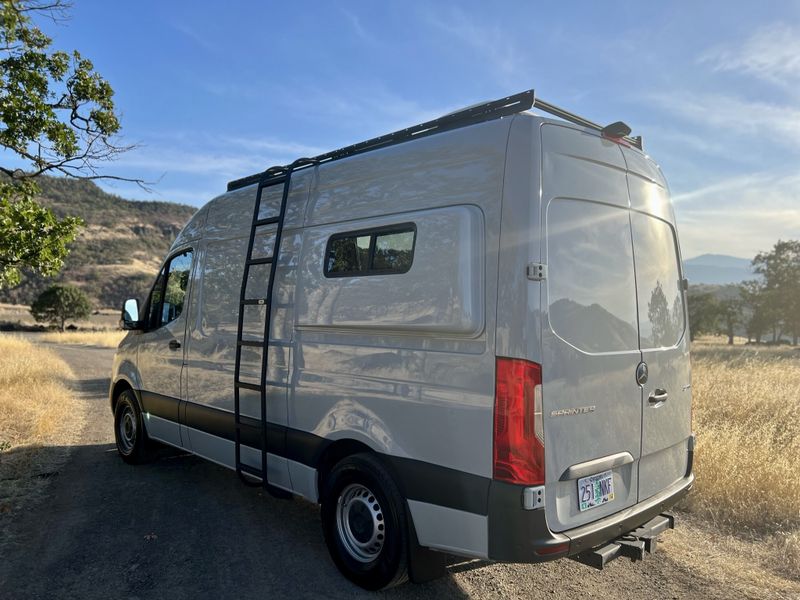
181 527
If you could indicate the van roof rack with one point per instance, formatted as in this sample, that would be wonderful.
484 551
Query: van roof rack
471 115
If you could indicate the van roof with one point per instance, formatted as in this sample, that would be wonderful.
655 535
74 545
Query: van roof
477 113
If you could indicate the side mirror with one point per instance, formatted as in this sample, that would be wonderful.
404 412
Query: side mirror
130 315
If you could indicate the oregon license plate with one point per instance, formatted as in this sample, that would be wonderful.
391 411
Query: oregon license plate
595 490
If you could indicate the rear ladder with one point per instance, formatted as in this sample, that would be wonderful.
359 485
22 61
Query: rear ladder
257 476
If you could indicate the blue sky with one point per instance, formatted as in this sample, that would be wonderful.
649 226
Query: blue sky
216 91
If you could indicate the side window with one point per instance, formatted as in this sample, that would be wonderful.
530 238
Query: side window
393 251
169 291
382 251
154 304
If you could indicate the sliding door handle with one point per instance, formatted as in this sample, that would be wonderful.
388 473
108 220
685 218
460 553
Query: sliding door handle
174 344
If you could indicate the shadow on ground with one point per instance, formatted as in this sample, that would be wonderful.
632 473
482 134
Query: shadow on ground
177 527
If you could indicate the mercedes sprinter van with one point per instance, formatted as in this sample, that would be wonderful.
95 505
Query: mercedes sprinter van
467 337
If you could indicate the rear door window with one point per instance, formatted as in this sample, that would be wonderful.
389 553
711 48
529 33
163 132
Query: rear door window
590 278
658 282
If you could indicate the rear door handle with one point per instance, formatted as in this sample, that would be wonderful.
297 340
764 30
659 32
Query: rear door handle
174 344
657 396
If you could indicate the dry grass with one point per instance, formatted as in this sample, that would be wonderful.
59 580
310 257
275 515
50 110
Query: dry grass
746 568
104 339
17 314
39 417
747 419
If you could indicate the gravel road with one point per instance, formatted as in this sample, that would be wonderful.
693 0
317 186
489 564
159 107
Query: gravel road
181 527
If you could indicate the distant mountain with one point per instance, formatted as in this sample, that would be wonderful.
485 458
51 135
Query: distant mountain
117 252
717 269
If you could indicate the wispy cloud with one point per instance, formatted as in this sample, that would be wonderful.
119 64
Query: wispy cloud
491 42
194 35
732 116
772 54
198 152
360 108
739 215
358 28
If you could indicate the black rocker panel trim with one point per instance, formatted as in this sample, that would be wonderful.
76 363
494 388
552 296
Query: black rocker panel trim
221 424
418 480
159 405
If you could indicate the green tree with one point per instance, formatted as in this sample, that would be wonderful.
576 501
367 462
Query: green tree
703 313
780 269
61 302
729 315
56 116
758 317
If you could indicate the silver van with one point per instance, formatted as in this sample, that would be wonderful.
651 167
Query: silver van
467 337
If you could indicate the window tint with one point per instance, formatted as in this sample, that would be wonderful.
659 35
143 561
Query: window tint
393 251
380 251
658 281
169 291
154 304
349 254
590 277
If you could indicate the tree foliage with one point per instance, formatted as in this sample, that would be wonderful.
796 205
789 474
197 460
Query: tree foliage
703 315
30 236
57 116
61 302
780 293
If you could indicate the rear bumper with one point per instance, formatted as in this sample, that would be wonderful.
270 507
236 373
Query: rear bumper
517 535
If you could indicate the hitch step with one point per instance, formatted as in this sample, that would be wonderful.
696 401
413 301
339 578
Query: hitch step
634 544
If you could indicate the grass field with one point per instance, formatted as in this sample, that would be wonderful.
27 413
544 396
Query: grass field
19 315
104 339
747 421
39 418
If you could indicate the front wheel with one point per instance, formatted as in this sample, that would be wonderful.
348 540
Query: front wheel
365 523
129 433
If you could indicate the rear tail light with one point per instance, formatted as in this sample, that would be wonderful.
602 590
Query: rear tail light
518 427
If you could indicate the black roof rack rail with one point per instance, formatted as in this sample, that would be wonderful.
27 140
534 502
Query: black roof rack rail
616 130
478 113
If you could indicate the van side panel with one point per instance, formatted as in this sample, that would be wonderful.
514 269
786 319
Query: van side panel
420 385
518 302
442 294
211 352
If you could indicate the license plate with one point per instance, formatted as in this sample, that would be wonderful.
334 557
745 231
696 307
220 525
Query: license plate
595 490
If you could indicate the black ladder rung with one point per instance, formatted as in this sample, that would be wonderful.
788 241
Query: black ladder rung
248 386
253 343
260 261
269 221
253 301
255 472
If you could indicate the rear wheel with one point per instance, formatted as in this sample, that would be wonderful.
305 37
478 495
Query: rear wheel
132 443
365 523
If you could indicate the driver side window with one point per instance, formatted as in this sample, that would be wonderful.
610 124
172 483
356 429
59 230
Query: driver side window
169 292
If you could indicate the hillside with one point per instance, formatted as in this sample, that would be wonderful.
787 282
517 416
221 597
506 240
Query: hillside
117 253
717 269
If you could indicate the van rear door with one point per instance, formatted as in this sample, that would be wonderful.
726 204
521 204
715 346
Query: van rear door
592 403
666 412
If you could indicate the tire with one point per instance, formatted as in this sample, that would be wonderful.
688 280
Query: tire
129 434
365 523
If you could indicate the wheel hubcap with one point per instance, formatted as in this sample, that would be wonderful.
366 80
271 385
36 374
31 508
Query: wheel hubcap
127 430
359 519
